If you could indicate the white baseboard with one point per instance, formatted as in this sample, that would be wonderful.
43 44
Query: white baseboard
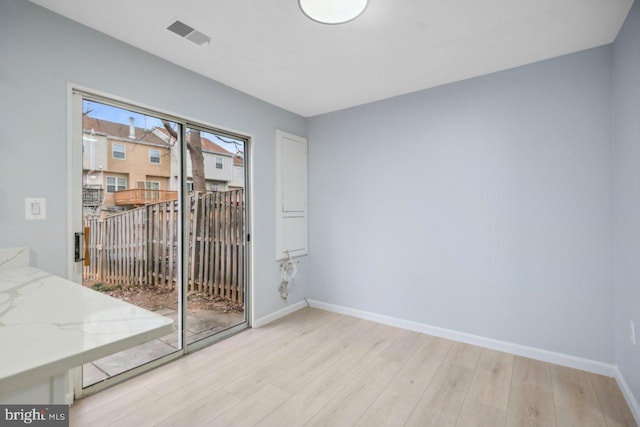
628 395
278 314
504 346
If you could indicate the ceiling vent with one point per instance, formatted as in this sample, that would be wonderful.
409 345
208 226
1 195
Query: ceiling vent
183 30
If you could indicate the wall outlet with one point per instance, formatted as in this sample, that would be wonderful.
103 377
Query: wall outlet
632 327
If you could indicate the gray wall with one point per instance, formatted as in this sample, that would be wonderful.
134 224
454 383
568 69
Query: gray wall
41 52
481 206
626 195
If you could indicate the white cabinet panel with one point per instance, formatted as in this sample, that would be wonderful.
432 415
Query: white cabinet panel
291 195
294 175
294 234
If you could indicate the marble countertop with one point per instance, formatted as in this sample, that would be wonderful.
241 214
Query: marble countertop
49 324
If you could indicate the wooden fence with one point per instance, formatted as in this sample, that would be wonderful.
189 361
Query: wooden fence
140 246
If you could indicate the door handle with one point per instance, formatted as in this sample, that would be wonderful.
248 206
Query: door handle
78 251
81 247
87 258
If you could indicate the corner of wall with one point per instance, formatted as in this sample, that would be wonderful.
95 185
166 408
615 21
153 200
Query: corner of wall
262 321
634 406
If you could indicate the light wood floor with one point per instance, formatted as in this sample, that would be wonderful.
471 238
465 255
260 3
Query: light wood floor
316 368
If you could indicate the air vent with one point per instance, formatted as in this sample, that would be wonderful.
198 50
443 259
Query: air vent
183 30
180 28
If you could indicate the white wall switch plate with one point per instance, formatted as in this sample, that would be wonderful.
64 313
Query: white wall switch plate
632 326
35 208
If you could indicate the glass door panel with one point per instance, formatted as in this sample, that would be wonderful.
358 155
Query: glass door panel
131 180
215 278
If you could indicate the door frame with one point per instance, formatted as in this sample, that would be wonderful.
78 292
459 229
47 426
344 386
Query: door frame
75 388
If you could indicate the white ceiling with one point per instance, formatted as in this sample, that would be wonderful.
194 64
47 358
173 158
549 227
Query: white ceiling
269 49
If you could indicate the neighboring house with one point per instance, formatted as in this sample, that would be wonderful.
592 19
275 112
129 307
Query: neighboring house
238 173
123 166
221 168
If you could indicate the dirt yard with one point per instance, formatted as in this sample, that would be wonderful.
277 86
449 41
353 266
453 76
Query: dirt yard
155 299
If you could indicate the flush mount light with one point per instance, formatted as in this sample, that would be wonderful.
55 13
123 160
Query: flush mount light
332 11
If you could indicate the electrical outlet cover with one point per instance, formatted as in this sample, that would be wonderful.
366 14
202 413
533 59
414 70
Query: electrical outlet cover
35 208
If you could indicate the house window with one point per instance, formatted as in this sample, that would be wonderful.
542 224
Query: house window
152 185
218 163
189 186
118 151
154 156
116 183
148 185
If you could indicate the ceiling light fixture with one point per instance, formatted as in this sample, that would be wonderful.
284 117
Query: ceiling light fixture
332 11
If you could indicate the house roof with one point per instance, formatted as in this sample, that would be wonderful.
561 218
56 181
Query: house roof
119 130
207 145
212 147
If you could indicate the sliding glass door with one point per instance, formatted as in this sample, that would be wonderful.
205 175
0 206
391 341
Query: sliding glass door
164 210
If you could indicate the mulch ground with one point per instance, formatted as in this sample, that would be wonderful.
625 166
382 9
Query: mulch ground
153 298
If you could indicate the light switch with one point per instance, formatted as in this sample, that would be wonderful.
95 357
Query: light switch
35 209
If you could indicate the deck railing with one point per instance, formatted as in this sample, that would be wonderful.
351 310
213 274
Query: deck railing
141 196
